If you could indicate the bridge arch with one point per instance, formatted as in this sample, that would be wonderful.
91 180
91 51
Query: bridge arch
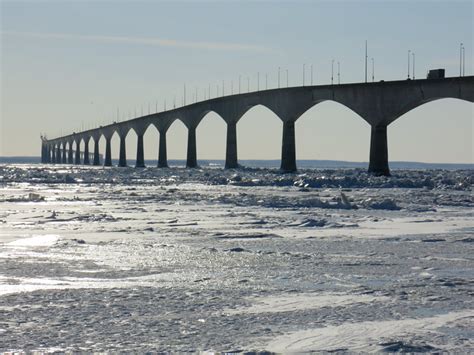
329 130
259 124
151 138
258 106
176 137
416 104
211 136
437 131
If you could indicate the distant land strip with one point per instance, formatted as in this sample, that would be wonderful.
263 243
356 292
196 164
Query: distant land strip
270 163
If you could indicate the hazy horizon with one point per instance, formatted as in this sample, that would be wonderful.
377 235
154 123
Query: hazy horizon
60 75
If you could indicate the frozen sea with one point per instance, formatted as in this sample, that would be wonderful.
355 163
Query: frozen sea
176 260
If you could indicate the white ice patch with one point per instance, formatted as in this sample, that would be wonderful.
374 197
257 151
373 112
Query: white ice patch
274 304
36 241
363 336
38 284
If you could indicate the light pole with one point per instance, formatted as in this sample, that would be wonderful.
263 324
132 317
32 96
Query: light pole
373 71
332 72
258 81
303 72
278 77
366 60
248 84
463 61
409 64
287 81
338 73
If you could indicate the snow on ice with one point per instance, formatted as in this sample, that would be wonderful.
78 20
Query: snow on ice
123 259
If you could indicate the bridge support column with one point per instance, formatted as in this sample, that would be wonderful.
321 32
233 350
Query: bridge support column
378 164
64 154
108 151
162 154
53 155
96 161
231 161
123 153
77 161
191 161
86 151
70 157
140 163
288 151
48 154
58 154
43 153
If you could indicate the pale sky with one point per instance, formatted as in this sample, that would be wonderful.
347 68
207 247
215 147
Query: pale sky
68 65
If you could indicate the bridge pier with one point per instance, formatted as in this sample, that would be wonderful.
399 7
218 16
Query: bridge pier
78 153
58 154
64 155
123 154
162 153
231 161
140 163
191 160
86 151
53 155
378 164
96 161
108 151
70 157
288 150
48 154
43 153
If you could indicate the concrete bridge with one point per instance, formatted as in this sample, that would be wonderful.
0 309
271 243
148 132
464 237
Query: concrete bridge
379 104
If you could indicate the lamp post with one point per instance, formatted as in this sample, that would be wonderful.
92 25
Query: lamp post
303 72
332 72
278 77
338 73
366 60
373 71
409 51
